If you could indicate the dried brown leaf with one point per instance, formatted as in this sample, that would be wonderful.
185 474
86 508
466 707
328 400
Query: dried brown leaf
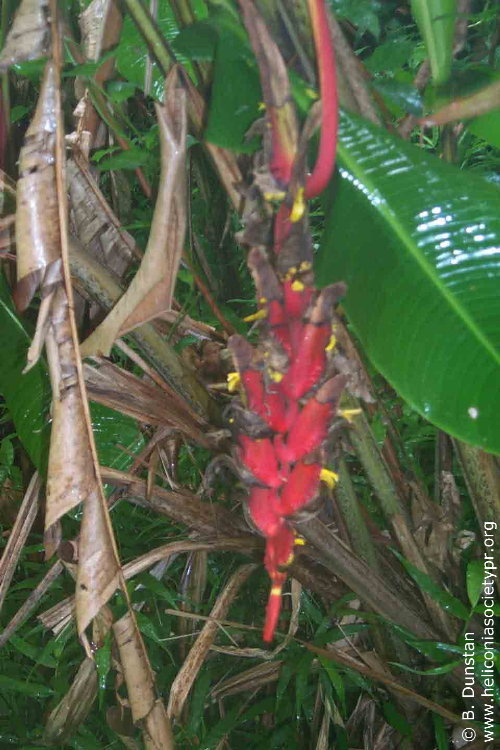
185 507
98 284
151 291
100 24
37 217
71 470
479 103
145 706
58 616
94 223
112 386
322 742
73 473
28 38
250 679
18 535
344 659
193 583
280 109
99 572
74 707
31 602
186 676
375 592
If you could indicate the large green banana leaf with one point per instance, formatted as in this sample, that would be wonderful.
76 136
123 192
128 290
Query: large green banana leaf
417 242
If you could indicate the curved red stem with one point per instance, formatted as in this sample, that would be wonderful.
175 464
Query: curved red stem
325 162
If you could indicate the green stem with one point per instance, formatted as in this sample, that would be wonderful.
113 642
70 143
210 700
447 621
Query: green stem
358 533
152 35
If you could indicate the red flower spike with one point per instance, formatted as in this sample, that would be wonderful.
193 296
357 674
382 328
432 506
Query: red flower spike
282 227
263 274
301 487
259 457
253 384
273 610
297 298
325 162
310 360
283 145
278 324
309 364
309 429
274 411
280 140
298 430
279 552
263 505
269 295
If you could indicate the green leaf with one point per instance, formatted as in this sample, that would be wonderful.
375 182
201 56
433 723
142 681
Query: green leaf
88 69
288 669
117 437
103 661
120 91
335 678
131 159
6 452
18 112
475 578
436 21
38 654
390 56
234 717
302 674
27 688
360 13
197 41
395 719
235 97
132 54
404 95
416 241
440 732
487 127
444 669
198 699
27 396
435 650
446 600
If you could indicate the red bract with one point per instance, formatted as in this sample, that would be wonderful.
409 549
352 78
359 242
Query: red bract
253 383
264 507
273 608
301 487
297 298
259 457
279 553
310 428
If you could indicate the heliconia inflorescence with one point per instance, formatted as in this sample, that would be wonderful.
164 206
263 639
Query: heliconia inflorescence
289 390
286 388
